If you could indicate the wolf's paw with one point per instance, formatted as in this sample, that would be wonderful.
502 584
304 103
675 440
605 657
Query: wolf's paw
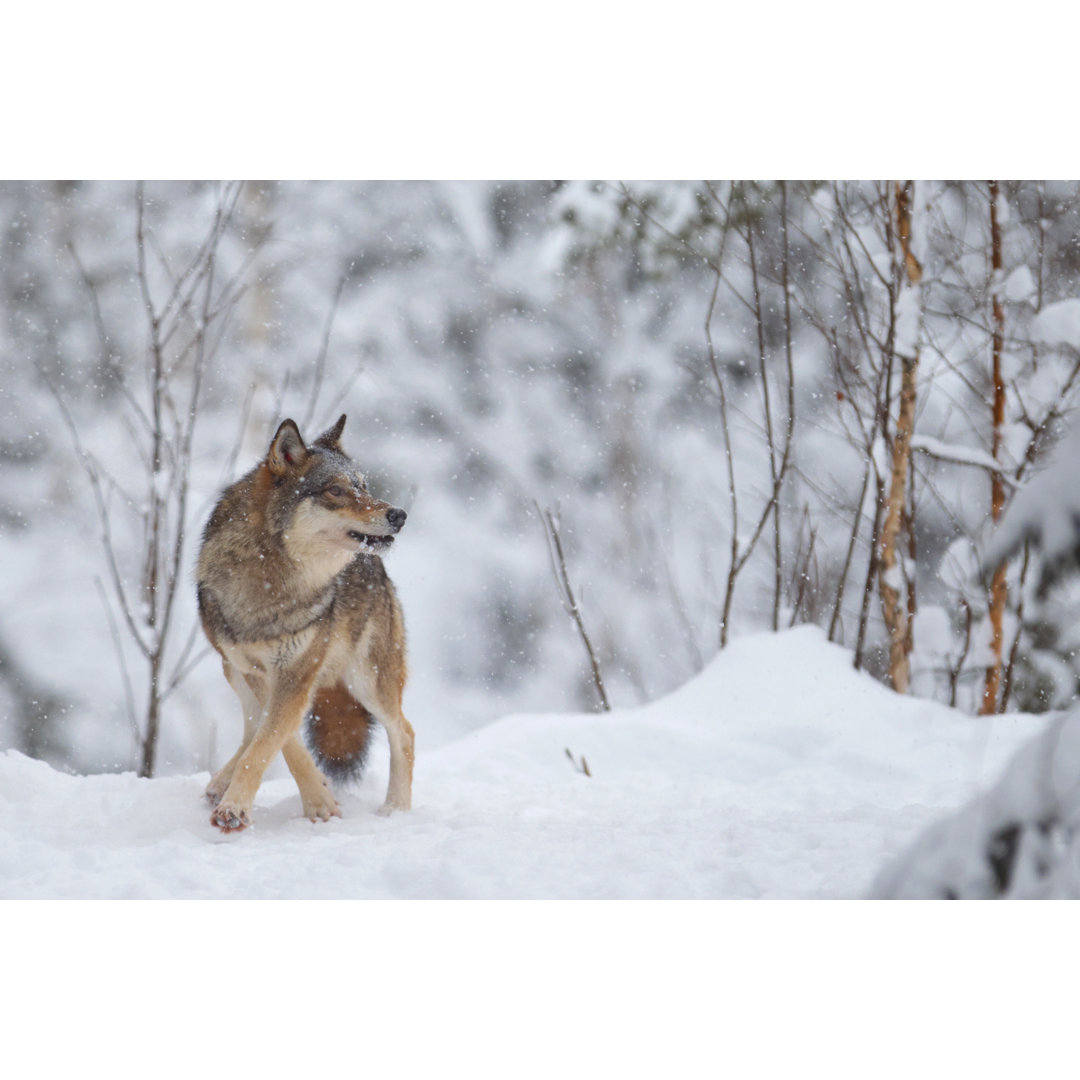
389 808
320 805
230 819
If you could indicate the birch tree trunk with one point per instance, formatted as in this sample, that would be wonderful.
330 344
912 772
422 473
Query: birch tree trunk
998 587
891 580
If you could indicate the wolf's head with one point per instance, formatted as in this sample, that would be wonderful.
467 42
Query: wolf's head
326 509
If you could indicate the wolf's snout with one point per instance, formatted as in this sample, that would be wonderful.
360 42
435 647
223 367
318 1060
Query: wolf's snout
396 518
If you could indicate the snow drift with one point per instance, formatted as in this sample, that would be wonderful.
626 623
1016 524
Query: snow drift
777 772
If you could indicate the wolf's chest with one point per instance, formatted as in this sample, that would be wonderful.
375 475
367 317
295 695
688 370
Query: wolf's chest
263 657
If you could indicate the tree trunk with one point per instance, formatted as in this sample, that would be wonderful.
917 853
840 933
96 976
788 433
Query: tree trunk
891 578
153 719
998 587
895 609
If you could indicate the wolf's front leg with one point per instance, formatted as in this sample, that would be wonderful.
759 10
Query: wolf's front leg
289 702
315 794
220 781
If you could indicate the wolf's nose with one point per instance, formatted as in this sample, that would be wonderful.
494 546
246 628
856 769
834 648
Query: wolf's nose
396 517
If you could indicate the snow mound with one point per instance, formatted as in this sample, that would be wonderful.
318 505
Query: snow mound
1017 841
778 771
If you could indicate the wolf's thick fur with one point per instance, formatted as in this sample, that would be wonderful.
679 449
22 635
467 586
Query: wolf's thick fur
295 599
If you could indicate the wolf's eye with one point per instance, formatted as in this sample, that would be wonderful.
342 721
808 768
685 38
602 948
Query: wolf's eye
336 491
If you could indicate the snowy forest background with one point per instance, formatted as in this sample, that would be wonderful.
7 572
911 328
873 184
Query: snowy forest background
713 387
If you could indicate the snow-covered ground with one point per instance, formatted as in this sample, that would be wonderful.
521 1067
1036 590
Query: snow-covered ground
778 772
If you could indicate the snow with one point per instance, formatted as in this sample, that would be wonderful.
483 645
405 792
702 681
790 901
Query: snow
962 455
1058 324
1020 285
893 577
777 772
1046 510
1018 840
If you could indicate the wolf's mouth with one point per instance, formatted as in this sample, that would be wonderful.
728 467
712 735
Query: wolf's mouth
375 543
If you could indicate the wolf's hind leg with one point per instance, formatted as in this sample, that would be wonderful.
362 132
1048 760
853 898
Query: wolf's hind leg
402 753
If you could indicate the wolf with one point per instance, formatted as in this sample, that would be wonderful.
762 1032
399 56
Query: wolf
294 597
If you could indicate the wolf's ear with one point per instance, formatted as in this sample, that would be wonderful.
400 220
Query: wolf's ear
331 439
287 450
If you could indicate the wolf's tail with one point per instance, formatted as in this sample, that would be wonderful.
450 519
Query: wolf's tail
339 733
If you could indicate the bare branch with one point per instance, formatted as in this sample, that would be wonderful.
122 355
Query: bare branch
92 474
569 601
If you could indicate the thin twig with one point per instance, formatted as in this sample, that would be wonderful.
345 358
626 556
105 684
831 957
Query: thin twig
580 764
92 474
569 601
